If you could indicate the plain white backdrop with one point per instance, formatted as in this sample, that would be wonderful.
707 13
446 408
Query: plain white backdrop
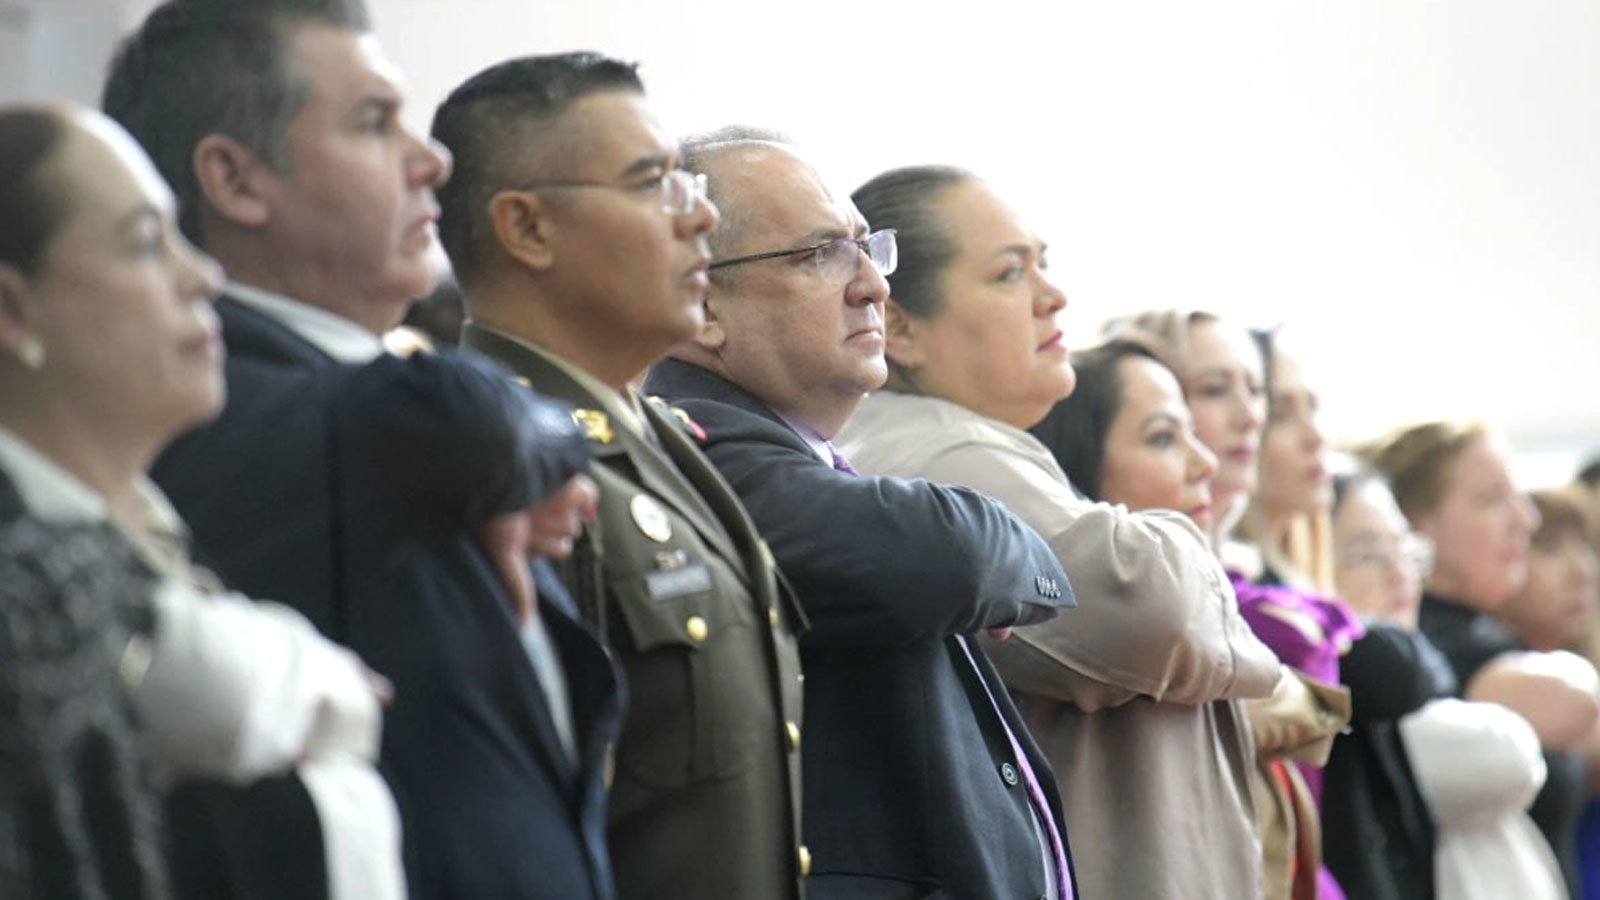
1412 186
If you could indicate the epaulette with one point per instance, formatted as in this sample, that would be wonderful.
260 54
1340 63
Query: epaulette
596 425
689 425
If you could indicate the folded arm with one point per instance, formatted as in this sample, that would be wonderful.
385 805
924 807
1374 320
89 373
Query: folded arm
1156 615
882 561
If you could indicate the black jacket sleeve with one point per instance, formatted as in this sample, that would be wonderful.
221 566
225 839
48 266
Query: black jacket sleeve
881 561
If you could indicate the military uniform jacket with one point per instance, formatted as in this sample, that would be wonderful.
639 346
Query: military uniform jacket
706 798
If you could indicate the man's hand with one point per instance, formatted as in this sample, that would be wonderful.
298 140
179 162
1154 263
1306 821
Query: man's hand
556 523
547 530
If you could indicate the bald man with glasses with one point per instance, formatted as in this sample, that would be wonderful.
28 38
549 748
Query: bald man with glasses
921 780
580 247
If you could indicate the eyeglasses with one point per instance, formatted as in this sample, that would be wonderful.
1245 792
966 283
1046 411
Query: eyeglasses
1412 552
837 260
680 191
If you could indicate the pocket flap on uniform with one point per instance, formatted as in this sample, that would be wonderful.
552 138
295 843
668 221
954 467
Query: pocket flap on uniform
665 608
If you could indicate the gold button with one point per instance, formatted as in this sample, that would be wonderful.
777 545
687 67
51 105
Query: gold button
805 860
772 616
794 735
697 628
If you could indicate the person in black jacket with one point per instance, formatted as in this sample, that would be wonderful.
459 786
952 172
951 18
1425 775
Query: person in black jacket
1378 834
388 499
921 779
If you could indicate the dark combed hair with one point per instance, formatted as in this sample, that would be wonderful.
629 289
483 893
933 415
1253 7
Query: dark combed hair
493 120
201 67
905 200
31 209
1075 429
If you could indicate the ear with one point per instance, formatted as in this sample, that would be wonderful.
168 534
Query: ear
521 225
902 333
17 313
713 336
230 177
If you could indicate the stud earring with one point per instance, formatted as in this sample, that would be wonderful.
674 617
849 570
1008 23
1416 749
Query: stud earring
31 353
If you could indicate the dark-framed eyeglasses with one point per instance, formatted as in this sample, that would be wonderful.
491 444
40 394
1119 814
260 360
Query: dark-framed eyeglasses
680 191
839 259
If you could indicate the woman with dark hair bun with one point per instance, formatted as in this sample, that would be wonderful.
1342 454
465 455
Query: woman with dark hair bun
1130 695
123 668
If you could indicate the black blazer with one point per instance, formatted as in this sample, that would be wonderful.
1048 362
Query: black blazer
351 492
1377 834
910 785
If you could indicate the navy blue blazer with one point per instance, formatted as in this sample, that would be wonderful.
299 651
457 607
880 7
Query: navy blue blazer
351 492
911 789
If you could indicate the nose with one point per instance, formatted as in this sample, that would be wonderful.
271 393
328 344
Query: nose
1528 518
868 286
430 162
1250 411
1049 300
698 221
1202 462
1314 439
201 276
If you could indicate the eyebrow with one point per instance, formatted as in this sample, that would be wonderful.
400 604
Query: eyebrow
643 164
1162 418
138 216
829 233
388 104
1022 250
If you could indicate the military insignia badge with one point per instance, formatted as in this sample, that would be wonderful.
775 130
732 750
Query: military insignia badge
651 517
595 424
689 425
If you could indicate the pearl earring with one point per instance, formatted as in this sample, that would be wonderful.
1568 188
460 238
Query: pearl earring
31 353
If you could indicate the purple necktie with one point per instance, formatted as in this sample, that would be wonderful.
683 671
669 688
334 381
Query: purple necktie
1041 807
840 463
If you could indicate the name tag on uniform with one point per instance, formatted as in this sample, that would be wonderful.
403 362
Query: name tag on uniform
678 582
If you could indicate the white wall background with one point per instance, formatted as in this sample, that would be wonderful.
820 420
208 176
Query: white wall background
1412 185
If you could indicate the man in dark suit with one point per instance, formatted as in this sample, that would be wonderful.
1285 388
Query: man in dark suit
921 776
390 500
580 248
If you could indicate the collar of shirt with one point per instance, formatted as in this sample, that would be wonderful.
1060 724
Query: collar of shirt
816 442
334 335
623 406
56 495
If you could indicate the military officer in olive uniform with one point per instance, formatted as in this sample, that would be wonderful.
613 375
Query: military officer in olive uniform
581 249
